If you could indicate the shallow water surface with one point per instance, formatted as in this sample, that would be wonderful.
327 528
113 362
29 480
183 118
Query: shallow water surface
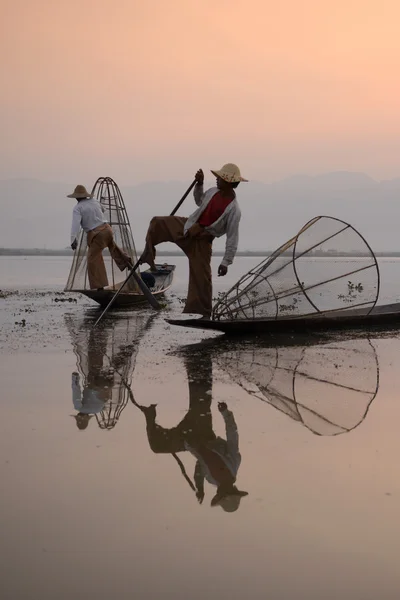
106 496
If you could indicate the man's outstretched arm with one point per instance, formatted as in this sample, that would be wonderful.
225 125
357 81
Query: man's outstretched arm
199 481
232 241
198 191
231 430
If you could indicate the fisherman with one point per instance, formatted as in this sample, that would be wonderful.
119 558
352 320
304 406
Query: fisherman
88 214
218 214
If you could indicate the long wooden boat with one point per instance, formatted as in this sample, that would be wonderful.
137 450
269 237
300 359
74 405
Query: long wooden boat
382 316
163 281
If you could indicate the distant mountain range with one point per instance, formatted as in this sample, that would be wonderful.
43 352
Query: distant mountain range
37 214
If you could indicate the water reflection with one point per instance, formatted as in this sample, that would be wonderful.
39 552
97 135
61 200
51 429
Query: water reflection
105 361
217 460
327 387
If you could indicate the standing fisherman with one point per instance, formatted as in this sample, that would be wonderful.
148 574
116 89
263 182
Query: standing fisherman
218 214
88 214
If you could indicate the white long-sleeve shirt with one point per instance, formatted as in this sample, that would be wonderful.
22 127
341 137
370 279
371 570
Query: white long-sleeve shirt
228 222
88 403
87 214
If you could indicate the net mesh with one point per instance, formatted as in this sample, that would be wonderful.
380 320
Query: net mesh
107 192
328 388
327 267
105 361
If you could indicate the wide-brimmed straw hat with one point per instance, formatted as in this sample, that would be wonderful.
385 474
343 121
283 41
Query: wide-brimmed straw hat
229 173
229 502
82 420
80 192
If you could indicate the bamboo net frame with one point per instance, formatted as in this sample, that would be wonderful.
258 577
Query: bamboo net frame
108 194
308 275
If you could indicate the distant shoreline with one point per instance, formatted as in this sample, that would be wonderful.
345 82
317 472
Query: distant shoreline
255 253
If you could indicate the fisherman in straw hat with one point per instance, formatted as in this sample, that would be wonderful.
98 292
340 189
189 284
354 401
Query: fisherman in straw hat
218 214
88 214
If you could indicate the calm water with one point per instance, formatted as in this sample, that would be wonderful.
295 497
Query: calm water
113 503
51 272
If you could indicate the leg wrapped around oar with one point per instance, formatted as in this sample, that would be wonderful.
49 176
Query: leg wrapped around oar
161 229
197 246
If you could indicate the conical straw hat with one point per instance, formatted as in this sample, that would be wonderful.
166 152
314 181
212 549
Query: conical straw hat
230 173
80 192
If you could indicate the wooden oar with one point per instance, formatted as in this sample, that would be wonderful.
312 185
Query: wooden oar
133 273
146 292
183 471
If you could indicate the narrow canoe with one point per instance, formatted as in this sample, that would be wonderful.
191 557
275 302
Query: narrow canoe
164 277
386 315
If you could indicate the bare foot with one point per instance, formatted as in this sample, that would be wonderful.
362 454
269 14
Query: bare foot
151 264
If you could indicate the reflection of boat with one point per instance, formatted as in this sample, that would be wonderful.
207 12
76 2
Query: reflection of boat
109 195
325 277
105 363
328 387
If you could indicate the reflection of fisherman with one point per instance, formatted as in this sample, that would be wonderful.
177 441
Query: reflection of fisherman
105 360
218 460
97 390
88 403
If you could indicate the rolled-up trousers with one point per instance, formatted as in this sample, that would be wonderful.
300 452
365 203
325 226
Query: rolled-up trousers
98 239
198 249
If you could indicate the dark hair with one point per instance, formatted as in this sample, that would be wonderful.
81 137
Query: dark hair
234 185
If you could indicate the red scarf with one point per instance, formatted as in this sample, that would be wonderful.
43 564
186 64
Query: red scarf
214 209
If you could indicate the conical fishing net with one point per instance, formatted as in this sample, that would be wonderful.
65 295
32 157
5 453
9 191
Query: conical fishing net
105 361
107 192
328 388
326 268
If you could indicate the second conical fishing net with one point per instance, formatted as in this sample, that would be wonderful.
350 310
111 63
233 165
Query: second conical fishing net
326 268
108 194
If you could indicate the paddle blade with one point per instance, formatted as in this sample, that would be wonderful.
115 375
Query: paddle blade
146 292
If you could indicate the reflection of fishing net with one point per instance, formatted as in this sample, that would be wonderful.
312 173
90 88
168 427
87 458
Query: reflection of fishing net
328 388
107 192
326 267
105 362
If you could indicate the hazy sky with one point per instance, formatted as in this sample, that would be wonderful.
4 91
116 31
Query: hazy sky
153 89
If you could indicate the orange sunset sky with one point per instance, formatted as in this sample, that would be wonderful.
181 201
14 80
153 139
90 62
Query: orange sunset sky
152 89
